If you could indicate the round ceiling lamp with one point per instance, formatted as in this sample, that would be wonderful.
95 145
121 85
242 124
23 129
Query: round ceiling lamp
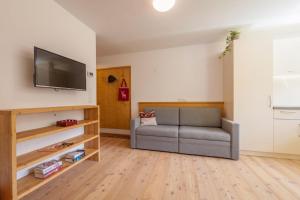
163 5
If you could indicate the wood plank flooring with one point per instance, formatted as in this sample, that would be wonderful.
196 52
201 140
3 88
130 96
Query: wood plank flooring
126 174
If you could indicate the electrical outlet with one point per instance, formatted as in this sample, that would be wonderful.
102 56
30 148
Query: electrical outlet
90 74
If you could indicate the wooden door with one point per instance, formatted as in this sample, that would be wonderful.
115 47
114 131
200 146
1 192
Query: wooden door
115 114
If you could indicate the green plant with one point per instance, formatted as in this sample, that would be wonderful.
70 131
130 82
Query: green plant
232 35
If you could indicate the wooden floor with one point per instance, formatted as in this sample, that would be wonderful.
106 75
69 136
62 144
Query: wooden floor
136 174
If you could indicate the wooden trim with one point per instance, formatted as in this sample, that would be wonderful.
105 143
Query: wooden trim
115 135
115 131
219 105
270 155
117 67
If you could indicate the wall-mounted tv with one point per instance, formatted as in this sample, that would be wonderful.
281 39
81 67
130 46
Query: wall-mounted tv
55 71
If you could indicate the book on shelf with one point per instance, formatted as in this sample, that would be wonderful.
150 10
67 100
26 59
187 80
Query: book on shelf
47 167
43 176
73 160
74 156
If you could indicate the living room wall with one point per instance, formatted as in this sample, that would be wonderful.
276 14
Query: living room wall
45 24
188 73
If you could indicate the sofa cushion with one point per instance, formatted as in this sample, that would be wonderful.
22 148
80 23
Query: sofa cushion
165 116
203 133
204 117
159 131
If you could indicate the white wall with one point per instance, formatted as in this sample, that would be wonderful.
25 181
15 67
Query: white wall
287 72
189 73
45 24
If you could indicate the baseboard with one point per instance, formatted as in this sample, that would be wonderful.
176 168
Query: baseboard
114 135
270 155
115 131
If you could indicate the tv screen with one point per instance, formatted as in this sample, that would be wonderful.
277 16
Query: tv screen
55 71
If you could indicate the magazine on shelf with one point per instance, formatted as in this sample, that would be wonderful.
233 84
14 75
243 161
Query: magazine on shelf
47 167
42 176
75 154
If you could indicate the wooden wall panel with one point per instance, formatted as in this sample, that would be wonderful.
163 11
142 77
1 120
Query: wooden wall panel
219 105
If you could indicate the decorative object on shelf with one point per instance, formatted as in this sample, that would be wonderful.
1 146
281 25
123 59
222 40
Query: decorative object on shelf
75 156
67 122
111 79
233 35
123 91
46 169
56 147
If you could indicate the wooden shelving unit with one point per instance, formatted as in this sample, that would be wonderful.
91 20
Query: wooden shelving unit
10 187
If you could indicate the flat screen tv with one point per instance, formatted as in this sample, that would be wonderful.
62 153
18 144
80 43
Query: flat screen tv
55 71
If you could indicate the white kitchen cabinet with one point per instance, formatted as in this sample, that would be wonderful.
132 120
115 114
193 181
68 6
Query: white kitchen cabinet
253 88
287 132
249 94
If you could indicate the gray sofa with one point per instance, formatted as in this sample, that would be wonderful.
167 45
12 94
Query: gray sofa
197 131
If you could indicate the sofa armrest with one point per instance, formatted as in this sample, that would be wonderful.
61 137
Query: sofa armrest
234 130
135 123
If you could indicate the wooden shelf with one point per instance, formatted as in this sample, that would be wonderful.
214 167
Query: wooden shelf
29 159
23 111
41 132
29 183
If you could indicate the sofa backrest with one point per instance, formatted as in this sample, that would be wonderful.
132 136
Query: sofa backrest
165 116
205 117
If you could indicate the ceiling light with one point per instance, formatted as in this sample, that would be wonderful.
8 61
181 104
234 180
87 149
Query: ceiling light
163 5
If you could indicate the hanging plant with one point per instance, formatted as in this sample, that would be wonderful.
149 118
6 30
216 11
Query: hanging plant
233 35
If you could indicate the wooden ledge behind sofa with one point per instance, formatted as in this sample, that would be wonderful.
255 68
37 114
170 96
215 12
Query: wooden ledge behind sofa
219 105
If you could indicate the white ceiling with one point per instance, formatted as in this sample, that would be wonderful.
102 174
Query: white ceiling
124 26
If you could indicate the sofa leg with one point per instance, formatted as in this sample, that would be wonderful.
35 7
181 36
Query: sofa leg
235 156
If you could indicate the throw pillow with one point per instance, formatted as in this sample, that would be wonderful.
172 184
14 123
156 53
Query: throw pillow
148 118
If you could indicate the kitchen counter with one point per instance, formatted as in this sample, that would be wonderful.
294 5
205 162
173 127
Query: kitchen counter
286 108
